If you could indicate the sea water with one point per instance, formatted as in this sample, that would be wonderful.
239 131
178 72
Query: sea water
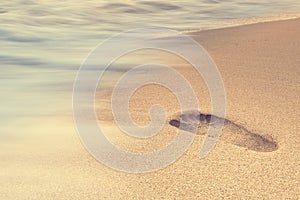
43 43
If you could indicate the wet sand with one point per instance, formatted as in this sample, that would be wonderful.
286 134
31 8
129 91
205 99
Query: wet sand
259 64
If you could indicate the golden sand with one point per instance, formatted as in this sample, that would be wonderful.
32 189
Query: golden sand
260 66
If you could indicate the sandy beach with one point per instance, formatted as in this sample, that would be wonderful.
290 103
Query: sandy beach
260 67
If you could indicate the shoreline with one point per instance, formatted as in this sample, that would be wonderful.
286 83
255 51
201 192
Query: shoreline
259 64
248 21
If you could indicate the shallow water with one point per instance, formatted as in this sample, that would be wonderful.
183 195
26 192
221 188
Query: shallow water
44 42
59 34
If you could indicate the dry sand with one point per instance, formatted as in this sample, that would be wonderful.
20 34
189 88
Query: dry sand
260 66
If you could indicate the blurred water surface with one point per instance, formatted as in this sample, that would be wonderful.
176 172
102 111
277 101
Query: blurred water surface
44 42
60 33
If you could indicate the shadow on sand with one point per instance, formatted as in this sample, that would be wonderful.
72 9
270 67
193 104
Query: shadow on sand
231 132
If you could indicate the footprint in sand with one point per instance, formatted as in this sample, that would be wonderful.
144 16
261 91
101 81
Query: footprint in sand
231 132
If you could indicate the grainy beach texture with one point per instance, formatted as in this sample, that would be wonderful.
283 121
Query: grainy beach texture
260 67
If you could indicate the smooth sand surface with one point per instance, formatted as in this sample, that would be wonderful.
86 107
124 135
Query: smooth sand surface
260 66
